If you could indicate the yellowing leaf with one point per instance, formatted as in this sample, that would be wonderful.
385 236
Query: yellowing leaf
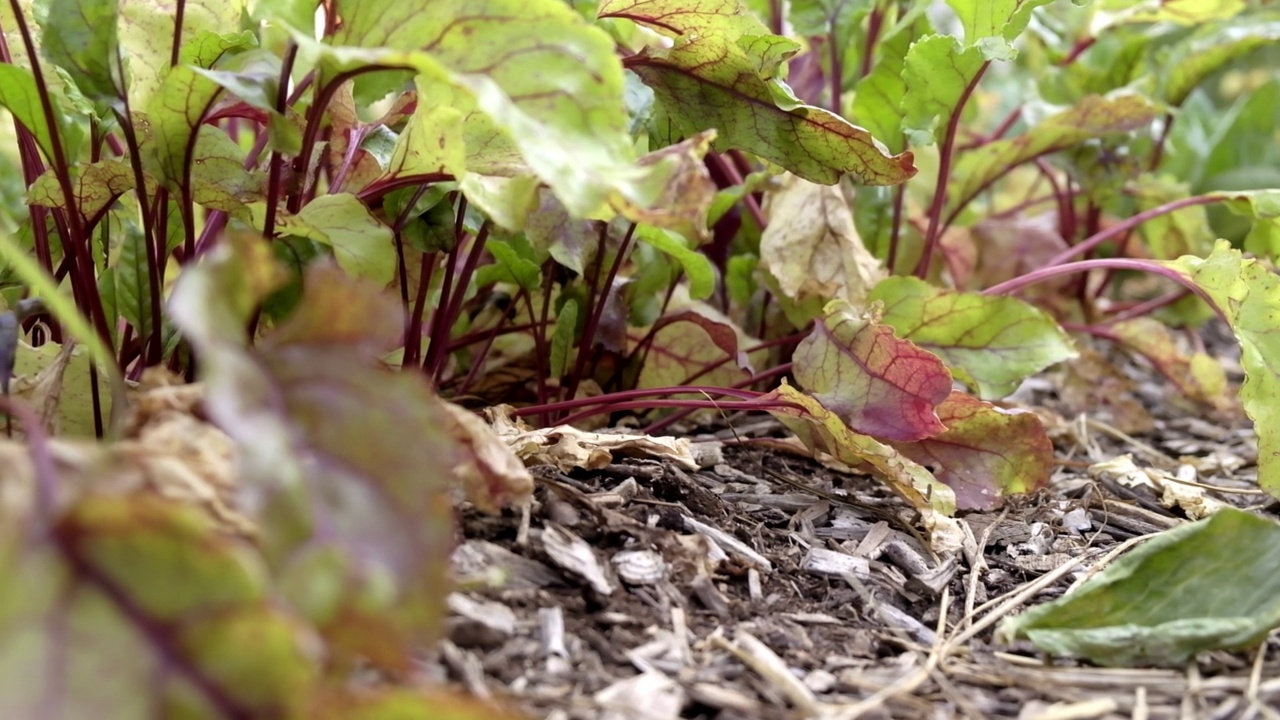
1248 294
812 249
823 430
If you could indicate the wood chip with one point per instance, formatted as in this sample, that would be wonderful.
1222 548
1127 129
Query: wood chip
574 554
820 561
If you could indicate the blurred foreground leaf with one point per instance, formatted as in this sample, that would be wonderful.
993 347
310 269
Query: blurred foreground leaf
347 464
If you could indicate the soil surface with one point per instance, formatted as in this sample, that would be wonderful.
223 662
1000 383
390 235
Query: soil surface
765 585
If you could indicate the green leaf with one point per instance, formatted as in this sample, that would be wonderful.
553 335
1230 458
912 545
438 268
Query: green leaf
1092 117
218 178
990 343
1178 12
507 201
1181 67
878 384
146 36
1248 295
697 267
96 186
512 266
107 570
723 72
553 232
133 282
64 310
562 339
937 71
685 202
434 140
1171 235
877 105
1004 19
175 112
207 47
1198 375
20 96
1208 585
55 379
80 37
362 244
697 345
567 118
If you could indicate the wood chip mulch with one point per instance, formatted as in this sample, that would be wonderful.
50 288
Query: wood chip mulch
644 592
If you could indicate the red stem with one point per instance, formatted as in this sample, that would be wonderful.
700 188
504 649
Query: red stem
944 171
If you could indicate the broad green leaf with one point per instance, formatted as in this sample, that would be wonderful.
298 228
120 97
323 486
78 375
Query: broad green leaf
207 47
880 385
835 20
348 463
1092 117
1001 19
96 186
1179 68
1248 295
563 339
722 72
877 105
80 37
433 141
697 267
133 282
1171 235
218 178
986 453
63 308
507 201
937 71
54 380
362 244
568 119
20 96
175 112
990 343
1207 585
821 429
146 37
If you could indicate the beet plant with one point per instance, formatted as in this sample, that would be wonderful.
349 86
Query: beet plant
873 220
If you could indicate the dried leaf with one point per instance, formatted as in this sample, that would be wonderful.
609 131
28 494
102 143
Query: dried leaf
811 247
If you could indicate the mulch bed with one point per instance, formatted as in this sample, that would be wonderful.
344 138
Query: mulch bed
641 591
